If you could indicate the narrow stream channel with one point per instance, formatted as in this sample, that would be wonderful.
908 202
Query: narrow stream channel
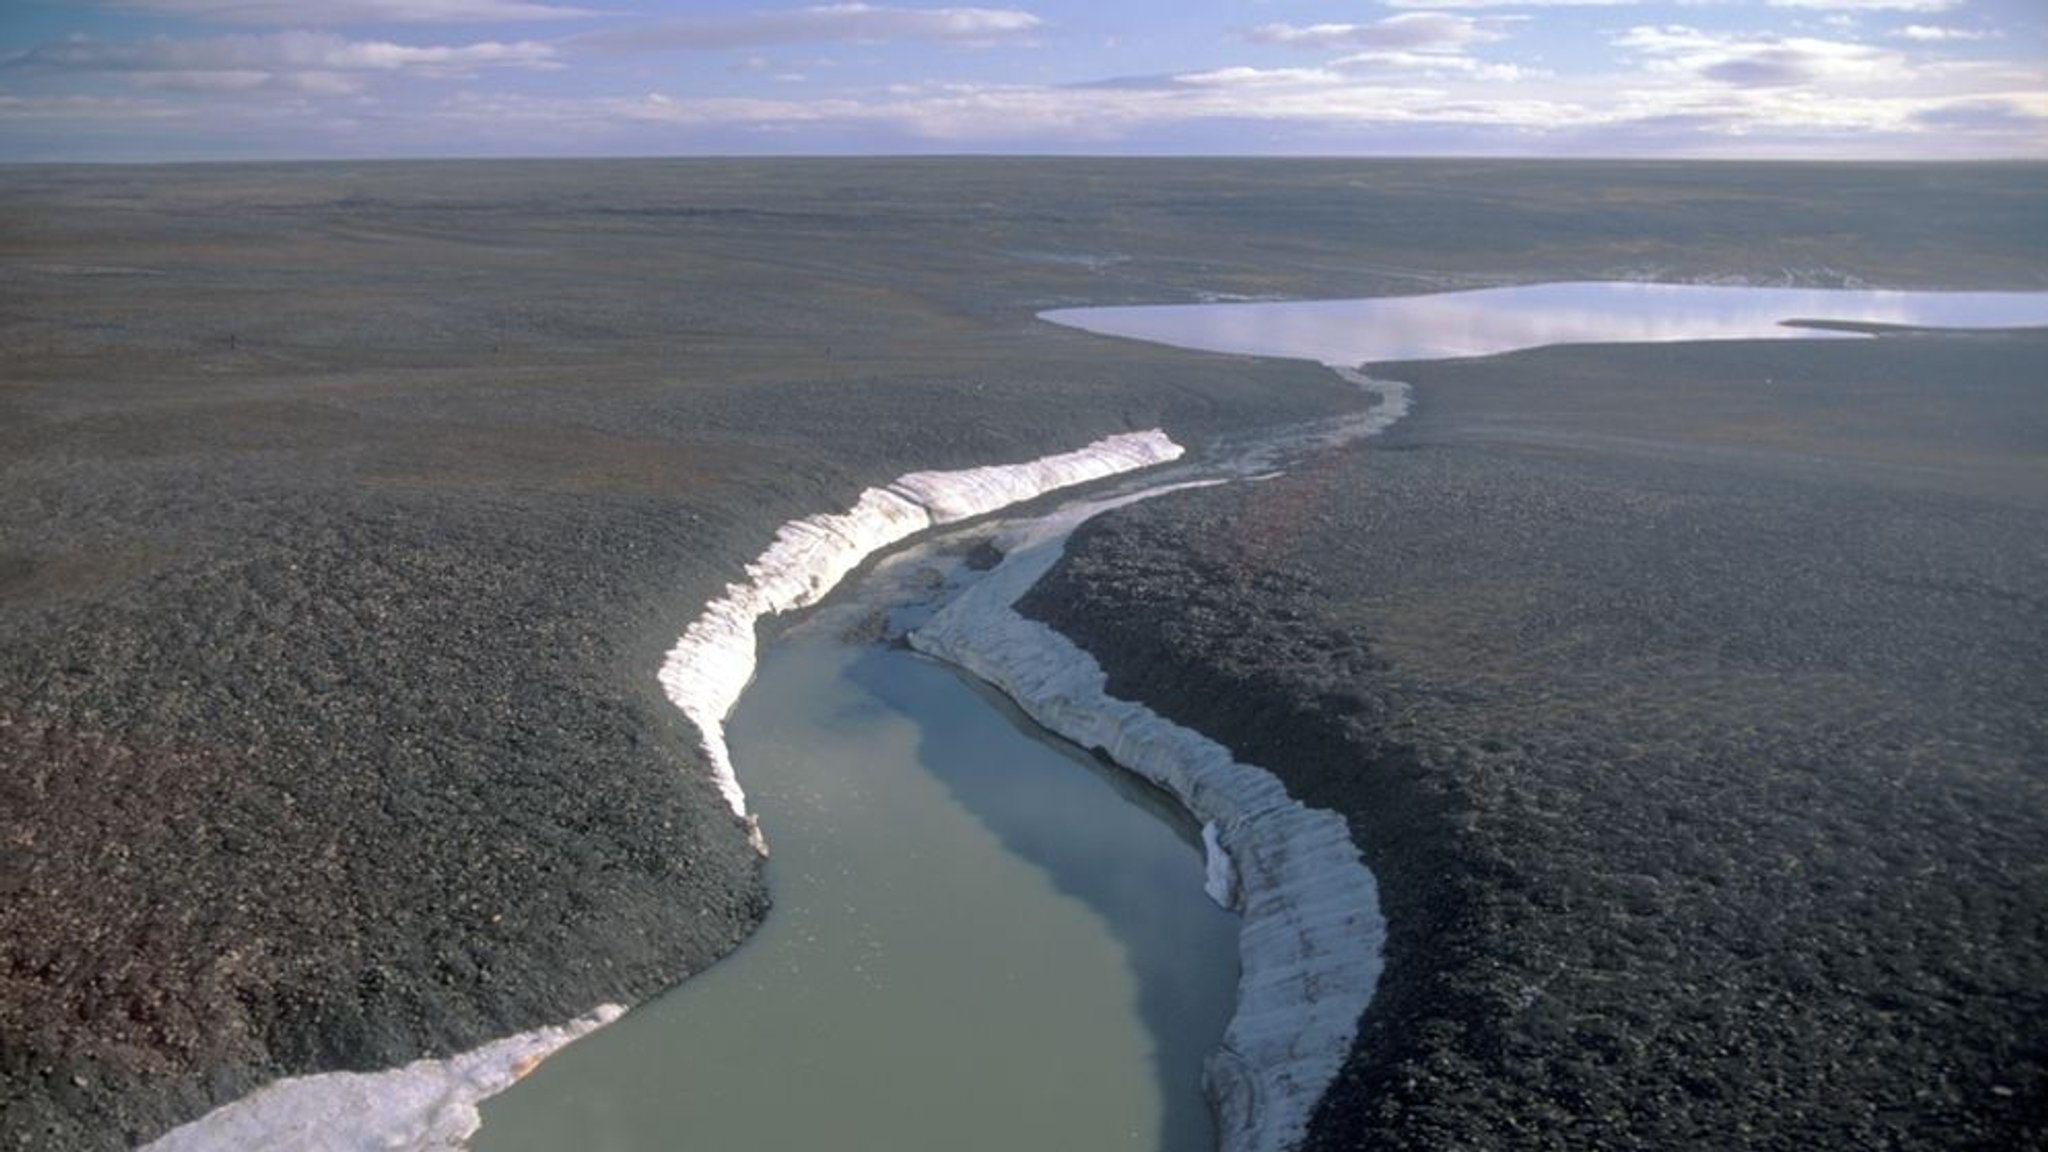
981 939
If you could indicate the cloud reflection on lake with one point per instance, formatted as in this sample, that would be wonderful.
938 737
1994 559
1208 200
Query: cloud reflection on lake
1494 320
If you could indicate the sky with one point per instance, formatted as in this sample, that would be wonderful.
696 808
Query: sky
277 79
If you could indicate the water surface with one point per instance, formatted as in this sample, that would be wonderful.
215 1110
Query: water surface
1493 320
980 939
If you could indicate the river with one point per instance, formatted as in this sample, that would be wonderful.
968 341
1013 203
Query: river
982 938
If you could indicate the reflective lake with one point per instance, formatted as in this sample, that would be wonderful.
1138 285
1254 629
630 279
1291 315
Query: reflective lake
980 939
1493 320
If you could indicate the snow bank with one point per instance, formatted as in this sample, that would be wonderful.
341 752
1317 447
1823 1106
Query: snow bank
708 668
426 1106
1219 877
432 1104
1312 933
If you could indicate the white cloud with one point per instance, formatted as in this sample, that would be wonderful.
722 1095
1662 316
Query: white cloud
1250 109
1441 5
320 63
1680 103
657 108
1760 61
1428 44
1935 34
1410 31
333 13
1405 82
1434 64
283 50
986 115
833 22
1869 5
1256 77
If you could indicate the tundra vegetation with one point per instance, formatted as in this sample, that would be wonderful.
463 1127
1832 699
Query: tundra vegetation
1685 700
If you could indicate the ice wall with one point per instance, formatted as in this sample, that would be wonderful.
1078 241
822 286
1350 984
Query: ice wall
709 667
426 1105
1311 938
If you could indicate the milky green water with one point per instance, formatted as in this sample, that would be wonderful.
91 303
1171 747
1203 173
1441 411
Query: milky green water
979 941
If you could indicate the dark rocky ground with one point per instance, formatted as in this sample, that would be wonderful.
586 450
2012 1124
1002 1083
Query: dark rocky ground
348 510
1689 705
347 519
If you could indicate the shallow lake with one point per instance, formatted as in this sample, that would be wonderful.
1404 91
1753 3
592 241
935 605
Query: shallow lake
1487 321
980 939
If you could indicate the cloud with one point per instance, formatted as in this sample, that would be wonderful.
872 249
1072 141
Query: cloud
312 62
1301 105
833 22
1106 115
1934 34
1255 77
1267 110
1441 5
1985 116
1766 67
1405 82
1761 61
1430 44
1151 83
657 108
1869 5
1408 31
334 13
1434 64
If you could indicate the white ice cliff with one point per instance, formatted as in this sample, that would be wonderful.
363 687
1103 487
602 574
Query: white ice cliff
1311 935
426 1106
709 667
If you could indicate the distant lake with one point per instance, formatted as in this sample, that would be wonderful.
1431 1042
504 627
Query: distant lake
1487 321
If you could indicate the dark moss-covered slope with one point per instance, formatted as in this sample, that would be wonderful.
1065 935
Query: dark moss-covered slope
348 516
1687 703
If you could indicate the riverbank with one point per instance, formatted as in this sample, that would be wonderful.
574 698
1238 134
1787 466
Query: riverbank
1310 932
430 1102
942 874
1692 742
345 539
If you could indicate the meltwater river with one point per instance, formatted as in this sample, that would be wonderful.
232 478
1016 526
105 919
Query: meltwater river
982 939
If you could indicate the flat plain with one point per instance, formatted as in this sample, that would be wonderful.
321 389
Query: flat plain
350 508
